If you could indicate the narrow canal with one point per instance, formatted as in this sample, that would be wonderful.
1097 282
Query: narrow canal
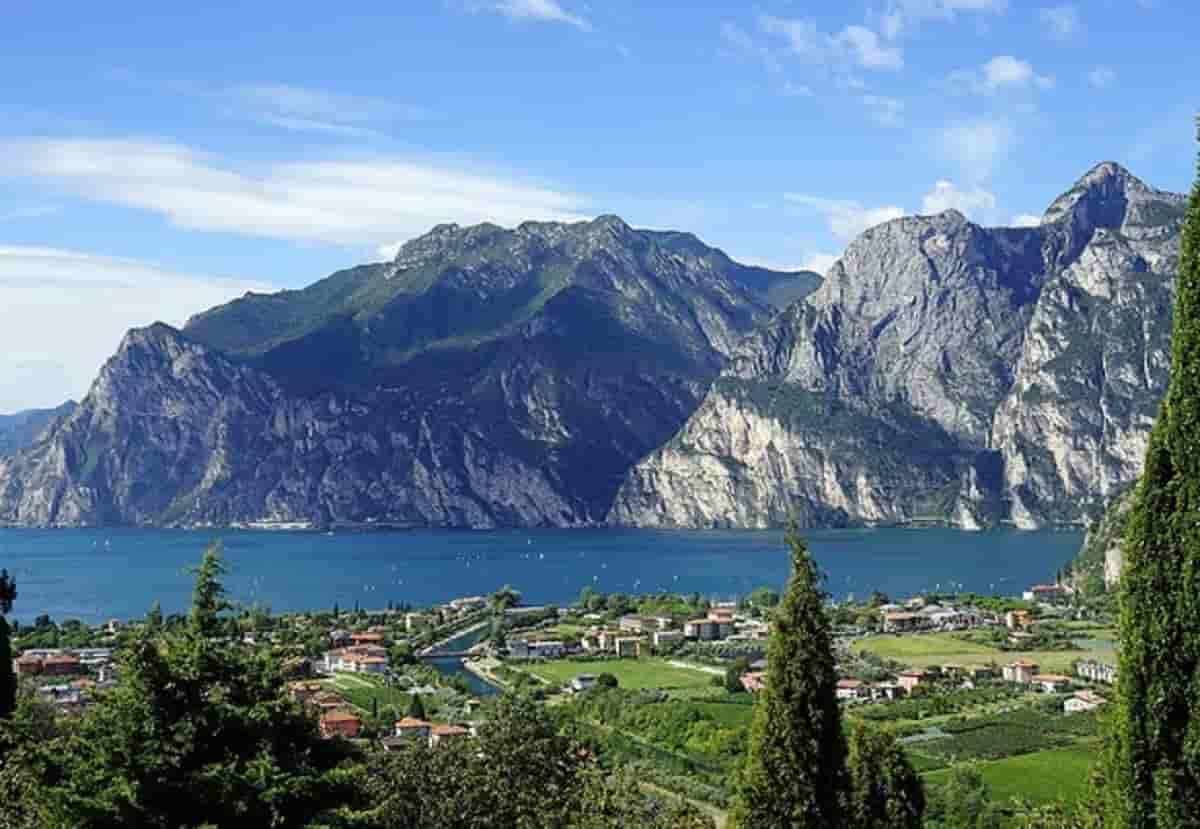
453 666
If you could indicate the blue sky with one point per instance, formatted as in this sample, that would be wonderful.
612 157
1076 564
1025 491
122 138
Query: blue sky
157 158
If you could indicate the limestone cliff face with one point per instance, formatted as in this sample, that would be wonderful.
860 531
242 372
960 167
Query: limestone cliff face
485 378
943 372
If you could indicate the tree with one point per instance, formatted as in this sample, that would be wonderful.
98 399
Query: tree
795 771
199 731
8 680
416 708
504 598
606 680
885 791
1153 761
154 617
964 801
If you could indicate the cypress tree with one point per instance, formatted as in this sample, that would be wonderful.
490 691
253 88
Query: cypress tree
885 791
8 680
416 708
795 773
1152 777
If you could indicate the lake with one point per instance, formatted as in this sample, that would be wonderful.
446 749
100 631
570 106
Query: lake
116 573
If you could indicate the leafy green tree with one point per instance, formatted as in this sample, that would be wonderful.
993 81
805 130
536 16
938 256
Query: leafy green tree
795 772
964 801
885 791
607 681
1153 769
199 732
416 708
504 598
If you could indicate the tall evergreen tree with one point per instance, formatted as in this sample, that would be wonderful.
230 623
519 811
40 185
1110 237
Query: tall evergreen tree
8 680
885 791
1152 778
416 708
795 774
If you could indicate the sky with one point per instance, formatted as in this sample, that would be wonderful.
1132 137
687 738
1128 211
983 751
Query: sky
160 158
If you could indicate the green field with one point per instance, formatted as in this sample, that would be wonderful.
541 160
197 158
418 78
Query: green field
1042 777
630 673
941 648
360 690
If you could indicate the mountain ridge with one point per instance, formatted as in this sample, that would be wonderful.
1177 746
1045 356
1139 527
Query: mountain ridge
485 377
956 342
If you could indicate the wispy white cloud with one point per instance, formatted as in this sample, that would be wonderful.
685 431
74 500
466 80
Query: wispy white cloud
946 196
1102 77
367 201
549 11
1025 220
1060 23
976 146
286 106
853 47
1003 72
901 17
95 298
303 109
846 218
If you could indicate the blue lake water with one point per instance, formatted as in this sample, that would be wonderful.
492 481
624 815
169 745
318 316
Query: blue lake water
100 574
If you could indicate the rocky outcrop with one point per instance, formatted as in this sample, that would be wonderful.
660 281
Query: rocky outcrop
485 378
943 372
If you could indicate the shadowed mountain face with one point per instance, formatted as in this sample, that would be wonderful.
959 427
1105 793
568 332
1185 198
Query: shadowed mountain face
943 372
485 377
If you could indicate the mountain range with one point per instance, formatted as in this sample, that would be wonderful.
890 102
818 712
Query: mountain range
575 374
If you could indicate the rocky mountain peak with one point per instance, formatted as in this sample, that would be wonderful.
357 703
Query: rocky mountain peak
1109 196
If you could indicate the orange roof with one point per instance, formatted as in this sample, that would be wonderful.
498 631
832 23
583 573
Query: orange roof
411 722
849 683
1023 663
339 716
915 672
449 730
1051 678
60 657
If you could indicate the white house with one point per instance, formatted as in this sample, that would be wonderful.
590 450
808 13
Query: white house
1083 701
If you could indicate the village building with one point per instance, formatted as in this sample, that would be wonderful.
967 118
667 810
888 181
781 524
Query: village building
902 622
754 682
61 664
636 624
339 724
524 649
1051 683
1047 593
981 672
1017 619
1082 701
705 630
1094 671
886 690
442 734
27 665
851 689
908 680
358 659
412 728
1022 671
416 621
367 638
628 647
